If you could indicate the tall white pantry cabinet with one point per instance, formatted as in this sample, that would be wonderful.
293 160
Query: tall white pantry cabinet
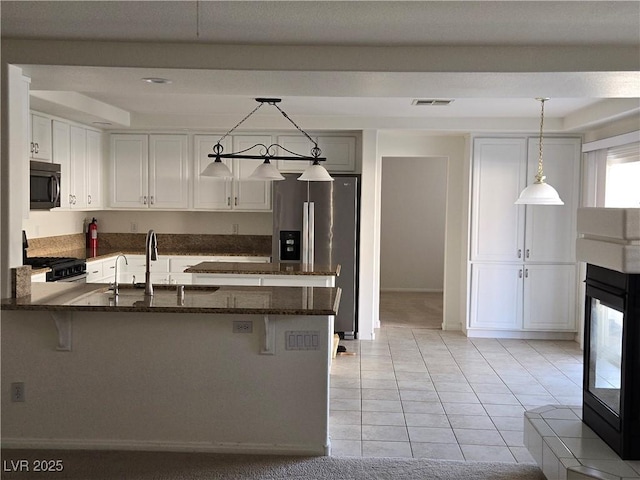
523 267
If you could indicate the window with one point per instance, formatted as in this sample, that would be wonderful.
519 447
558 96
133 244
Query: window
622 188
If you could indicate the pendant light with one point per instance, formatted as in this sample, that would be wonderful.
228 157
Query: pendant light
217 168
540 192
267 171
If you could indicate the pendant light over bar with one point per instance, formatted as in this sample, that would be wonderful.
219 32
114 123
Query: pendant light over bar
267 171
539 192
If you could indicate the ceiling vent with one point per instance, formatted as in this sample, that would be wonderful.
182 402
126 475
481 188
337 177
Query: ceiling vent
431 102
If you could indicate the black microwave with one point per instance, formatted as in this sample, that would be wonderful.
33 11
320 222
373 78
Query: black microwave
44 185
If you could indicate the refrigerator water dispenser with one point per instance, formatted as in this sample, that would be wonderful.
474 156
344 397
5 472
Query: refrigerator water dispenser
289 245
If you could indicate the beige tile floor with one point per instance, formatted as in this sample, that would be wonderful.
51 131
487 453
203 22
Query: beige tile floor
420 392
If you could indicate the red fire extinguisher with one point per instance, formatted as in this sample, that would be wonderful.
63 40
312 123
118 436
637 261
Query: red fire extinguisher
92 237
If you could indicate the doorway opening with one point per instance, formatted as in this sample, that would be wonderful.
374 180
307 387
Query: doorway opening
412 241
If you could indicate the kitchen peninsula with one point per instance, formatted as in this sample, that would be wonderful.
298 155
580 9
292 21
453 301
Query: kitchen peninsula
223 369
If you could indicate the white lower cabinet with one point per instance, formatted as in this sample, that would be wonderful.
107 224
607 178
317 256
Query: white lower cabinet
166 270
549 297
523 297
38 277
101 271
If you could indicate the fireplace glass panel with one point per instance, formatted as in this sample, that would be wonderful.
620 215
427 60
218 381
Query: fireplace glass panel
605 373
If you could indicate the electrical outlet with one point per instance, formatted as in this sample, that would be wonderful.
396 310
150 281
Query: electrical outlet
17 392
236 229
242 326
134 227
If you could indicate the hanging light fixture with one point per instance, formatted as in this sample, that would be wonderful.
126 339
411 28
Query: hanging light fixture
267 171
539 192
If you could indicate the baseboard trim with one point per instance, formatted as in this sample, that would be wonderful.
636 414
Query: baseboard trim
151 446
412 290
521 335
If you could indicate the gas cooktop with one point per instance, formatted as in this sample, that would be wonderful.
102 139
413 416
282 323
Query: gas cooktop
61 267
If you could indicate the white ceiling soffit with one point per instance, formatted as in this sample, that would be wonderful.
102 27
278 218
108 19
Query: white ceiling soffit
200 98
388 23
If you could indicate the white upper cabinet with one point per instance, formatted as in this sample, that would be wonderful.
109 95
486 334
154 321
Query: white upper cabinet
78 150
250 194
94 168
40 146
209 192
129 171
236 193
499 174
78 163
149 171
339 151
505 232
168 172
551 230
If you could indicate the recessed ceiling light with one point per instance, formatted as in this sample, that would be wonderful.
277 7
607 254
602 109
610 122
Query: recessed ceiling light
431 102
157 80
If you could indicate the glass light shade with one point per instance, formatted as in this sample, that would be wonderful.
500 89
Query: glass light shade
315 173
217 169
266 171
539 193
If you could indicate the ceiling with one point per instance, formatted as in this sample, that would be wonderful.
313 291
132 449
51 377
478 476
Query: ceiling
357 99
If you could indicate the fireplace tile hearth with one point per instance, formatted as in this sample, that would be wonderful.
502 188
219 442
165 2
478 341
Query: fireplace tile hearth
567 449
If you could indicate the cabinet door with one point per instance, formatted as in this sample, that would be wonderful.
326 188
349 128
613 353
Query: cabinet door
78 163
551 230
129 171
209 192
168 172
250 194
549 297
40 138
61 144
340 153
499 168
95 271
94 169
296 144
496 296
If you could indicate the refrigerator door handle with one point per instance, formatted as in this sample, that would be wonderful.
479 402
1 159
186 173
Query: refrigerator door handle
305 232
312 233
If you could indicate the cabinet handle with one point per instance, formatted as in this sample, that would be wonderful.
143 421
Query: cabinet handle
33 147
37 148
235 201
229 201
152 200
70 199
520 273
527 253
89 199
144 200
526 273
519 253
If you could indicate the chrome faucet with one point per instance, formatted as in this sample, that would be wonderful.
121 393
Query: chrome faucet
151 253
115 280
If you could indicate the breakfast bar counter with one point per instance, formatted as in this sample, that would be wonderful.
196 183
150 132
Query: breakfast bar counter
218 369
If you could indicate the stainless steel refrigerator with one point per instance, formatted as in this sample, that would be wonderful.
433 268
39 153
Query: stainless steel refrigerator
318 223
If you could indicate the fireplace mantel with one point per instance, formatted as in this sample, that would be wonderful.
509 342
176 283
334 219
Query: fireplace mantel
609 238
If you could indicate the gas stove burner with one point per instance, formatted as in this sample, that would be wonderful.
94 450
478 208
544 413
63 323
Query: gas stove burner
62 268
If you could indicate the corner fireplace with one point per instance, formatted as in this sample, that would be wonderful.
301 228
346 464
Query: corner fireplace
611 386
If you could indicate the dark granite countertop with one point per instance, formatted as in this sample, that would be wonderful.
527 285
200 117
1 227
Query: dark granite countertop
70 297
250 268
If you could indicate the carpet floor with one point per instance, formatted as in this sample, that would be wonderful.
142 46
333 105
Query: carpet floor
119 465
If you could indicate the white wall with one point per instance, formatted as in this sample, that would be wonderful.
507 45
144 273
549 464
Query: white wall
167 381
59 222
412 223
